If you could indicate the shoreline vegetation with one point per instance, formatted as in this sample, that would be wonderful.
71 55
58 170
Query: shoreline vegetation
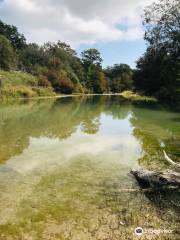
16 85
29 70
24 87
129 95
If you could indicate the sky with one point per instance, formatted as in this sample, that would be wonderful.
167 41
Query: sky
114 27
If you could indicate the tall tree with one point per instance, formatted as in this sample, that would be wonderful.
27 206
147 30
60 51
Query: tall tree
119 77
17 40
91 57
7 54
162 24
158 69
32 57
95 78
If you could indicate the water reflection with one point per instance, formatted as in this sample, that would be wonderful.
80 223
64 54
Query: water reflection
155 129
61 118
64 164
53 119
49 133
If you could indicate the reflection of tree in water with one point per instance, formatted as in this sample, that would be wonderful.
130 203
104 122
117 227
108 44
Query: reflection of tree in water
155 129
90 126
90 115
49 118
117 107
52 118
152 157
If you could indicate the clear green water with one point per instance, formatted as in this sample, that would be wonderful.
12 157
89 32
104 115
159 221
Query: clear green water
64 169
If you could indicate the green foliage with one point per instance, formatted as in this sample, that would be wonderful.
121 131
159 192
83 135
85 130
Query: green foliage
162 23
57 65
22 91
158 69
7 54
17 40
60 81
19 91
78 88
55 62
96 81
136 97
44 91
66 86
43 81
102 83
32 57
119 77
91 57
17 78
21 85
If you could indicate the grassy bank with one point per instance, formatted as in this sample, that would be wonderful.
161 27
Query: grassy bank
15 84
136 97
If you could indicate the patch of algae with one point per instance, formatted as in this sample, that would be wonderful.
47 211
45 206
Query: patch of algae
78 201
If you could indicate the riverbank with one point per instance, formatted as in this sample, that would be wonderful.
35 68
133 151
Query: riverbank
137 97
16 85
129 95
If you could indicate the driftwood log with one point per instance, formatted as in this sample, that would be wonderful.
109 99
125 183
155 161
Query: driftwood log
159 179
173 164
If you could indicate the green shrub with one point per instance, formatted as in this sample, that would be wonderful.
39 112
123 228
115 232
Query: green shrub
17 78
43 81
66 86
17 92
78 88
45 92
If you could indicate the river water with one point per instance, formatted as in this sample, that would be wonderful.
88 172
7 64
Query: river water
65 169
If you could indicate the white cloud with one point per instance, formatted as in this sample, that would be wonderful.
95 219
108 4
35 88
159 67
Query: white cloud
53 152
75 21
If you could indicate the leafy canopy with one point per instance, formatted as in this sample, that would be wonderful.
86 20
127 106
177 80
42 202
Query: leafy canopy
17 40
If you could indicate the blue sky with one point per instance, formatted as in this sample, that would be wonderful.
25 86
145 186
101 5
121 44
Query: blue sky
114 27
118 52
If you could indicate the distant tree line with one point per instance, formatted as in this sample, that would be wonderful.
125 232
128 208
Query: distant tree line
57 65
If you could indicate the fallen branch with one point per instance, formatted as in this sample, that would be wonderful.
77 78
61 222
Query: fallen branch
157 179
134 190
169 160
